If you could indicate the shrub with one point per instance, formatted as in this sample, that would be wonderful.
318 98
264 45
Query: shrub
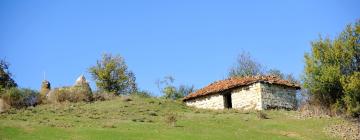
310 109
102 96
71 94
261 115
19 97
170 119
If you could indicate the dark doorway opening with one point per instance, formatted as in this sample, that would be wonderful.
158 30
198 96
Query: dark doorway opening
227 100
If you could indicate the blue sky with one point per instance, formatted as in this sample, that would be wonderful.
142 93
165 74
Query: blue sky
194 41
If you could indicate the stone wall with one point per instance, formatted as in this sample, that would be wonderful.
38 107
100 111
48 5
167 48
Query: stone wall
276 96
214 101
257 96
248 97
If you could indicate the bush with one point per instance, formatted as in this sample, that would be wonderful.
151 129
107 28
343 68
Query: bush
310 109
19 97
261 115
170 119
102 96
71 94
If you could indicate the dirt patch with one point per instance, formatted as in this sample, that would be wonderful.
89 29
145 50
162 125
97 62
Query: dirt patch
290 134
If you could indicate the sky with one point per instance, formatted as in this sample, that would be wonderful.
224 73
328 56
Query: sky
195 41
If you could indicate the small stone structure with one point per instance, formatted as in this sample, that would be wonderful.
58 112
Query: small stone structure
257 92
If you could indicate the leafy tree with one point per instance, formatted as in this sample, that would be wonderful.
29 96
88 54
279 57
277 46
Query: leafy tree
172 92
246 66
111 74
331 71
352 93
184 90
6 81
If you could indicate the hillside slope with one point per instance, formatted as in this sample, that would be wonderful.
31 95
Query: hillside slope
144 118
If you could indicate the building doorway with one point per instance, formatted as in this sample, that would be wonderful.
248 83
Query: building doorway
227 100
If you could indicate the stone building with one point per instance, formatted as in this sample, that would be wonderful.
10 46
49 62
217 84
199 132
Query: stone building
255 92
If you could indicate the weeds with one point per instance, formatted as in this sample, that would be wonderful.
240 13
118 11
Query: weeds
171 119
261 115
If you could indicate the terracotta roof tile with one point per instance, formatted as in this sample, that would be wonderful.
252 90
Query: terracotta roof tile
234 82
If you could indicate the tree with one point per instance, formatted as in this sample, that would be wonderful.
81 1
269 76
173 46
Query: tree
6 80
170 91
278 73
331 71
246 66
111 74
184 90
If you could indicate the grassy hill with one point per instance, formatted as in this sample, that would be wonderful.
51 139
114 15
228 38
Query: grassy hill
144 118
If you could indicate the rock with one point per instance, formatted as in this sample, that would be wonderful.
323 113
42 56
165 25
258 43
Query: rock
3 106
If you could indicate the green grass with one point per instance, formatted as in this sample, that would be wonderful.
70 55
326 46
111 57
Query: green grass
144 118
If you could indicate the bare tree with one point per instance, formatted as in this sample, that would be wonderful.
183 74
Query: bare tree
246 66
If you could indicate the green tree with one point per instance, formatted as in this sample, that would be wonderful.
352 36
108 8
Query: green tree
111 74
170 91
184 90
331 71
6 80
246 66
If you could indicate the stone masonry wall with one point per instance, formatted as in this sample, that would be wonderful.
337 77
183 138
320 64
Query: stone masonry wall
214 101
257 96
275 96
247 98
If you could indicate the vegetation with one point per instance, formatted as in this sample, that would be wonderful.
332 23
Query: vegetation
246 66
72 94
170 119
332 71
145 118
19 97
170 91
281 75
6 81
111 74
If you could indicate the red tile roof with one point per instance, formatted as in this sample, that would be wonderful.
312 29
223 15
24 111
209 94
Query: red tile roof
235 82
